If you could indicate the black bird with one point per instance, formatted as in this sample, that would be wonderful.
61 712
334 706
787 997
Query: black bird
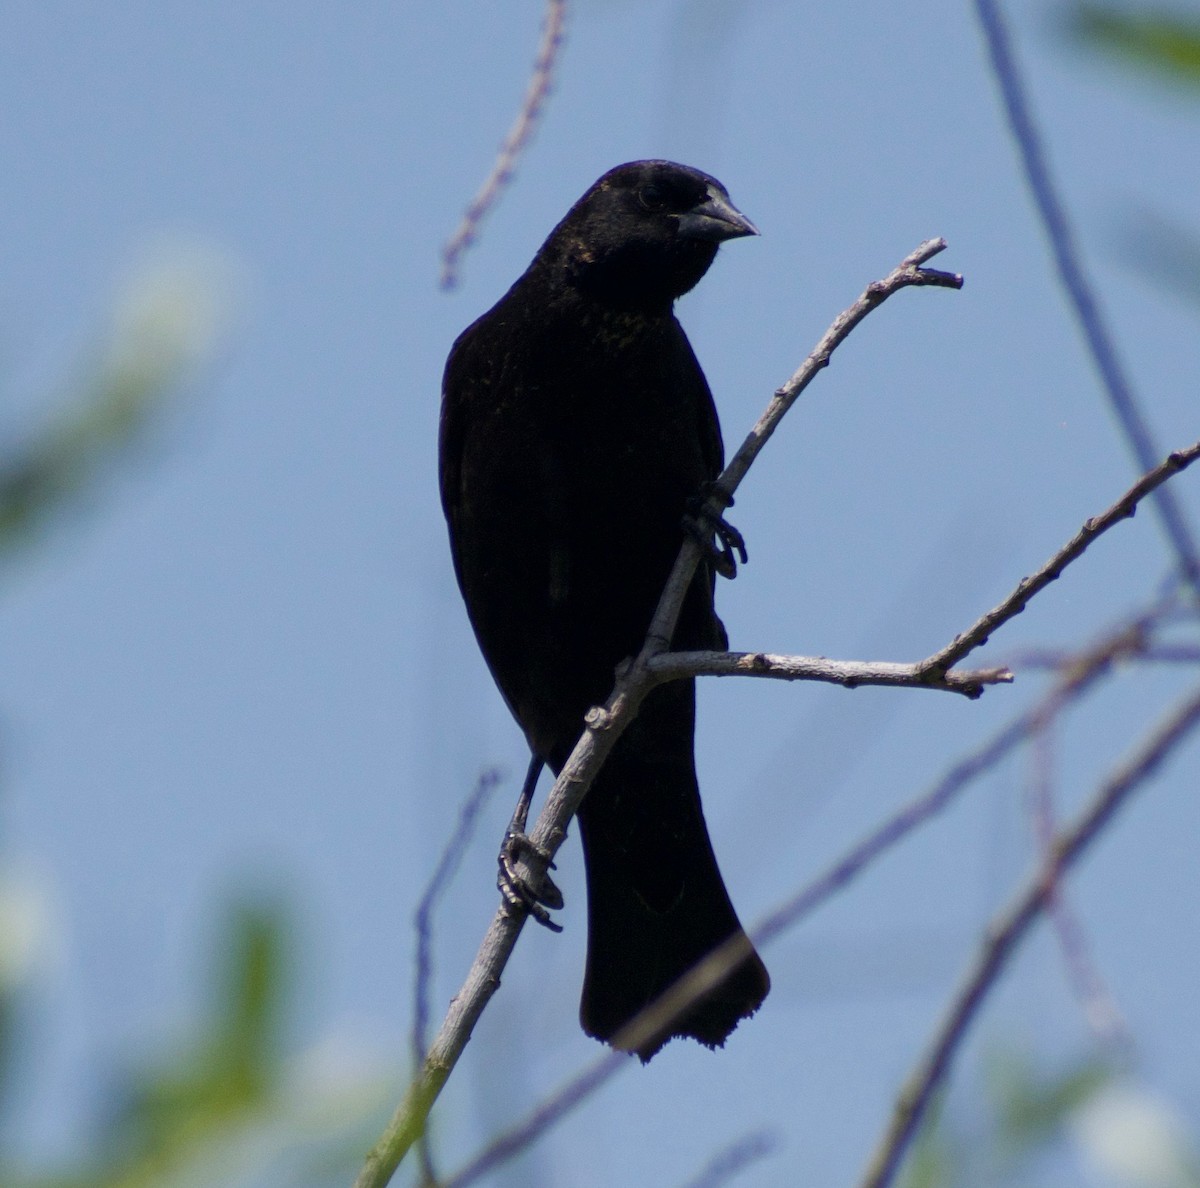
577 427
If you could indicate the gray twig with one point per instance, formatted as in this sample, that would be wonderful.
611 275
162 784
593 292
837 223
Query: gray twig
934 672
907 272
970 682
1026 588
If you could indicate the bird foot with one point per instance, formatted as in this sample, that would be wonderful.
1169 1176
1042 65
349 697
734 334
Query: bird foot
719 539
517 891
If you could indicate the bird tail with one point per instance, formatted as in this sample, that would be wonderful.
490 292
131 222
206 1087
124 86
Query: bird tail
657 904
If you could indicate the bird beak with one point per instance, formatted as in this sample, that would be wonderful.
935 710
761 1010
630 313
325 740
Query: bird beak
716 219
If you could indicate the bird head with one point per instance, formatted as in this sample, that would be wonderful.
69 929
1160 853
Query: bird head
645 233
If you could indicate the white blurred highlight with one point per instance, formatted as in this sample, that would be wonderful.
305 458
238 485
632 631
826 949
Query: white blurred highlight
1135 1138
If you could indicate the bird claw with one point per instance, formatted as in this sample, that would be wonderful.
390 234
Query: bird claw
517 891
703 524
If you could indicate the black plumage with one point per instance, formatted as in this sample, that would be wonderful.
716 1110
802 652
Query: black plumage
576 425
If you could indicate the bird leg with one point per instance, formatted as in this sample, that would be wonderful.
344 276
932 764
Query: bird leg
703 524
516 890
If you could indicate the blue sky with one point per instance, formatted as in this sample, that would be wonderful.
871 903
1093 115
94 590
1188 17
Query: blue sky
246 661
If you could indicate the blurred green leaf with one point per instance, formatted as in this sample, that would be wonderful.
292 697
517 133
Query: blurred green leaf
1033 1107
23 929
1163 43
164 322
1166 253
1135 1137
1026 1115
233 1066
68 454
936 1159
230 1106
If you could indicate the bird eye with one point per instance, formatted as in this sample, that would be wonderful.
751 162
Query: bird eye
653 197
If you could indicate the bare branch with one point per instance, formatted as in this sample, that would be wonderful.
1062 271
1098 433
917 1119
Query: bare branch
977 635
1075 281
518 137
1009 927
1089 667
907 273
934 672
674 666
706 974
603 725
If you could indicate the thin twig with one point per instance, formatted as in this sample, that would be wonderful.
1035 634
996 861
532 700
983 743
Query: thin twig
934 672
602 727
734 1159
978 633
422 919
423 923
519 135
1009 927
1075 281
908 272
1056 659
1099 1008
555 1107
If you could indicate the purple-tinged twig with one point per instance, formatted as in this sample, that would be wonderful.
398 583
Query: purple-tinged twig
423 923
518 137
555 1107
423 917
1099 1008
1075 281
1152 653
1009 927
734 1159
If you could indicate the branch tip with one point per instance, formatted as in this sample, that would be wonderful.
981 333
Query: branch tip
941 280
929 249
